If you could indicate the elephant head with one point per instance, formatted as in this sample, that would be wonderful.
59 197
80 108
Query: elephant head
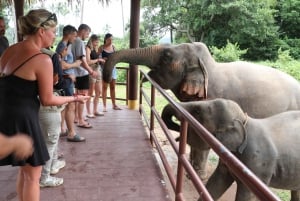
224 119
180 68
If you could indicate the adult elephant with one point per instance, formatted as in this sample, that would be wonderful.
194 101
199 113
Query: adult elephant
191 73
269 147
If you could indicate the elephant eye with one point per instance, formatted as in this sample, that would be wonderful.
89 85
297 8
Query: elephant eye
167 56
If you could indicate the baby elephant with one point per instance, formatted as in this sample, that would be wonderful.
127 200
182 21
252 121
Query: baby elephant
269 147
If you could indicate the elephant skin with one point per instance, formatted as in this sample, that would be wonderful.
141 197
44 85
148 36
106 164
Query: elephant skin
269 147
191 73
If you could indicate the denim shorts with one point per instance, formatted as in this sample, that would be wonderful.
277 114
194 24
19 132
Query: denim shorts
69 87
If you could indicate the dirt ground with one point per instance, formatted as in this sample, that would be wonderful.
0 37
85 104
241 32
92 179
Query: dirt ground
190 193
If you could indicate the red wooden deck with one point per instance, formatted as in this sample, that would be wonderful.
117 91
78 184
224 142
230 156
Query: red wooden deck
116 163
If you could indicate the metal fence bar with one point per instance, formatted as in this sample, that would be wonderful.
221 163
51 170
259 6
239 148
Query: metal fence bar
168 168
180 167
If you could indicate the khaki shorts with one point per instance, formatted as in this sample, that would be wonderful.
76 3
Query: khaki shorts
98 69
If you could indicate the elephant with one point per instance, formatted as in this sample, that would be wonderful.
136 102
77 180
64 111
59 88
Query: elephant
191 73
269 147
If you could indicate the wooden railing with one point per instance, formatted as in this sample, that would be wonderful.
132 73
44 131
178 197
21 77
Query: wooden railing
239 170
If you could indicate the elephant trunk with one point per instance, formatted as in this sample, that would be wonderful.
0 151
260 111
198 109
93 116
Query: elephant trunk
166 115
139 56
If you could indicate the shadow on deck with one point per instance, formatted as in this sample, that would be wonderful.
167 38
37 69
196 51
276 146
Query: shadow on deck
116 163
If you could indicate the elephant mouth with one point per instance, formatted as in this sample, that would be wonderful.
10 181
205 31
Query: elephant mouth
184 97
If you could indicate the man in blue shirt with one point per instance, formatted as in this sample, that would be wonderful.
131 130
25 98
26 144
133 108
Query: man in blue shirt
69 65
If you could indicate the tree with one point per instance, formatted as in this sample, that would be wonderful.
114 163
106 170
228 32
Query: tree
288 19
250 23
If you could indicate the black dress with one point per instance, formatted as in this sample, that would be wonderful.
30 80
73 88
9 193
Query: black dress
19 108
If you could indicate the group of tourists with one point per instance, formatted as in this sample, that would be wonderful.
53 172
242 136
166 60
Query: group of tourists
44 93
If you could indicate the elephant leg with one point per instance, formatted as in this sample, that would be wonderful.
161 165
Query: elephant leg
295 195
198 160
219 181
244 194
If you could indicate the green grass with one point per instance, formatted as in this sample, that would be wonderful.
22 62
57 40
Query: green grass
284 195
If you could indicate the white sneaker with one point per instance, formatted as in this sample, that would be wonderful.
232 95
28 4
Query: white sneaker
51 182
57 165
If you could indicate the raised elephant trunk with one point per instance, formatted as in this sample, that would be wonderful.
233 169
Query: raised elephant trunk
140 56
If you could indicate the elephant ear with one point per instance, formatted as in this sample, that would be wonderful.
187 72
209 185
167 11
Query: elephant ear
195 82
234 137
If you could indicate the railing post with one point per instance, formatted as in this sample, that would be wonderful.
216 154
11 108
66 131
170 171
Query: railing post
151 112
141 94
180 170
127 88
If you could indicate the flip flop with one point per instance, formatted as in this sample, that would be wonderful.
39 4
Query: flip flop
98 114
116 108
90 116
76 121
86 125
76 138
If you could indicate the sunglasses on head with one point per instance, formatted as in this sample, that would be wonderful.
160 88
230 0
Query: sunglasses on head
51 17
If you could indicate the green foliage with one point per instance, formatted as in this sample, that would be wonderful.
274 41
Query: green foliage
284 195
250 23
288 18
293 45
286 63
146 38
231 52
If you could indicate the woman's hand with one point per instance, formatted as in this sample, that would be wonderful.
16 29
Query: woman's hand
81 98
23 146
101 61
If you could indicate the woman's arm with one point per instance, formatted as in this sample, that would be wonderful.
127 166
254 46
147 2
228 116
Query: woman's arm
88 57
45 85
66 65
100 49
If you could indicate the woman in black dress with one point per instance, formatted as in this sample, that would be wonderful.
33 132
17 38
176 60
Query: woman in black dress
106 49
25 82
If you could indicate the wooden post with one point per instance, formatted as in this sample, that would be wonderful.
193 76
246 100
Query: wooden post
134 43
19 10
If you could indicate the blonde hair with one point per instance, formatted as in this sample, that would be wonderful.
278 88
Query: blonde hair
34 19
93 38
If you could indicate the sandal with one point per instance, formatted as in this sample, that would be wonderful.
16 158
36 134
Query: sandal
51 182
76 121
116 108
86 125
64 134
90 116
76 138
98 114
